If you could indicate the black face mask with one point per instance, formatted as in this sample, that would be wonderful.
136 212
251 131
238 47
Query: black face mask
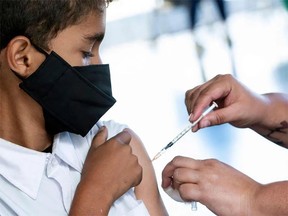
73 99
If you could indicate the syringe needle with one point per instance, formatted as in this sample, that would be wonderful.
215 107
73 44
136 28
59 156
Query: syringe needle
182 133
159 154
163 150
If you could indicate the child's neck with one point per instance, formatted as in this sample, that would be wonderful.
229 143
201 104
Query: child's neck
21 120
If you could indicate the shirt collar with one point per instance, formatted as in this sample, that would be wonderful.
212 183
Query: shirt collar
22 167
68 148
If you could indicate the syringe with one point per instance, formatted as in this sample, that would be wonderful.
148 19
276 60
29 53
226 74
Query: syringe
182 133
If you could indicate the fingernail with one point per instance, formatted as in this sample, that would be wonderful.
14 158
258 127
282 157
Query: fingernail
191 117
101 128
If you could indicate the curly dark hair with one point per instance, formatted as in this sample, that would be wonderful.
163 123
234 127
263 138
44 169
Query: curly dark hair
41 20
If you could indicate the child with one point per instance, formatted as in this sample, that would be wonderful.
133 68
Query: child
54 89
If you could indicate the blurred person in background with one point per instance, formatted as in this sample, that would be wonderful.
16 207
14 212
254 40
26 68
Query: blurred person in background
194 5
195 15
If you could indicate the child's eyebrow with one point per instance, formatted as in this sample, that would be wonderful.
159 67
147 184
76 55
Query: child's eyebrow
95 37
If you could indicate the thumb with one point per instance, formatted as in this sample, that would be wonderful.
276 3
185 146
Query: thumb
217 117
100 137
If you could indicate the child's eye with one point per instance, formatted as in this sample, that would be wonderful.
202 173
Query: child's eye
87 54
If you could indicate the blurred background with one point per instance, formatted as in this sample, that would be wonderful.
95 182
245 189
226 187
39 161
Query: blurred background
157 51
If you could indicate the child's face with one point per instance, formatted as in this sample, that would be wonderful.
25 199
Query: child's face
79 44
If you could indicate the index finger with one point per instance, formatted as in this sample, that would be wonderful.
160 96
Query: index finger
177 162
100 137
202 96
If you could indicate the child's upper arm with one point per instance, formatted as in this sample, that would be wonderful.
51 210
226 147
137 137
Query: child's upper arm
147 190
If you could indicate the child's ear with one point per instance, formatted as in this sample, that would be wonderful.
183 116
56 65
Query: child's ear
22 57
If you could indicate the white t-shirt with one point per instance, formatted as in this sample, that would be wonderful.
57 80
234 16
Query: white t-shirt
37 183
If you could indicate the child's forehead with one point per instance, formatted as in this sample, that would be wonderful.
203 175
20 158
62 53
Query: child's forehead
90 24
88 30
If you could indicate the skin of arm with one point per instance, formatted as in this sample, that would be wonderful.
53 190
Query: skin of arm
101 182
223 189
133 166
274 124
147 190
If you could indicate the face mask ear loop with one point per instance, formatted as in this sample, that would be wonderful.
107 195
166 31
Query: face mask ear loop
39 49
